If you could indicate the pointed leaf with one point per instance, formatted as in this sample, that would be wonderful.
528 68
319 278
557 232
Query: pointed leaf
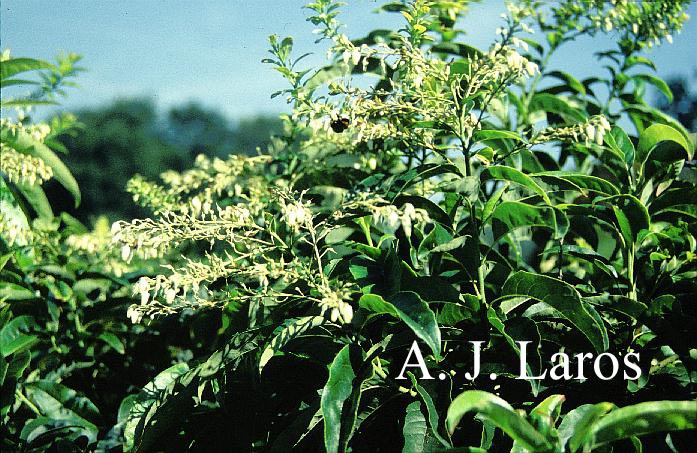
412 310
498 412
562 297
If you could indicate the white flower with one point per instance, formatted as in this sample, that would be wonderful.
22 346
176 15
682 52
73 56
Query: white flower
515 60
346 311
599 136
125 252
143 288
531 68
196 204
590 132
355 56
170 294
134 315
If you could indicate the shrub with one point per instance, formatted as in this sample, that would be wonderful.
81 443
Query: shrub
459 202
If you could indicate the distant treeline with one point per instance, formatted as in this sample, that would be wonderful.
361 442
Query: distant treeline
130 136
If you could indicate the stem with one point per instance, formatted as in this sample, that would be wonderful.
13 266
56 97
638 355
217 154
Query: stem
630 272
317 255
26 401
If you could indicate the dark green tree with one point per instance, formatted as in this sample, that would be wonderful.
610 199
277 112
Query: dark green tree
129 137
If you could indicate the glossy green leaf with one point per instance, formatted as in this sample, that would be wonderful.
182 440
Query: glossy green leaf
290 330
495 134
414 429
433 419
113 341
148 397
618 141
642 419
657 82
412 310
516 176
498 412
59 402
562 297
558 105
566 180
15 335
675 145
575 425
335 395
511 215
36 197
631 216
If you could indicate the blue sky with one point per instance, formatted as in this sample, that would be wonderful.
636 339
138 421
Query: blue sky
210 51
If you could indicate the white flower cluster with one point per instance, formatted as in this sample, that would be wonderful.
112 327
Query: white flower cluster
644 23
389 218
593 130
14 228
501 66
151 195
335 302
151 238
22 168
296 215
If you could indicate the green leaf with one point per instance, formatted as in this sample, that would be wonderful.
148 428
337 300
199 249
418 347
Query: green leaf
36 197
657 82
511 215
550 406
630 214
113 341
562 297
414 429
505 173
575 425
14 338
433 420
146 399
57 401
13 66
570 81
412 310
26 102
634 60
620 304
618 141
643 418
567 180
498 412
492 201
291 329
558 105
13 291
495 134
11 82
674 145
335 399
